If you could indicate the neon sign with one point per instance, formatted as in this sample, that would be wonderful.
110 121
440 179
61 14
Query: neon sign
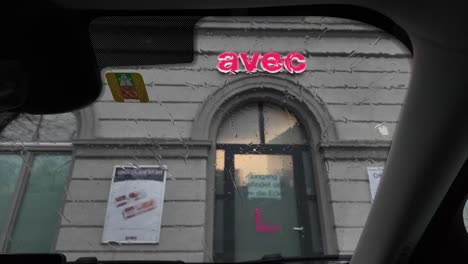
272 62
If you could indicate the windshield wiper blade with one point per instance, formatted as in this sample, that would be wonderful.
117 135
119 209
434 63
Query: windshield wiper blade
267 259
277 258
94 260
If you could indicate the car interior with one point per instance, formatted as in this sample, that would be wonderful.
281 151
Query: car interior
417 214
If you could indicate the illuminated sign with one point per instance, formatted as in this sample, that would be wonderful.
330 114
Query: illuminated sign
272 62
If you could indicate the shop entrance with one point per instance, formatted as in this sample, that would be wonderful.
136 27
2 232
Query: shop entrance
266 200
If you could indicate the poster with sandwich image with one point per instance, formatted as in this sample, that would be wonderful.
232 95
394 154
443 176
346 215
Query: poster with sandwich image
135 205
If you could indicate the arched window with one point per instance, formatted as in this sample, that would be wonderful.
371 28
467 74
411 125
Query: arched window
265 192
35 158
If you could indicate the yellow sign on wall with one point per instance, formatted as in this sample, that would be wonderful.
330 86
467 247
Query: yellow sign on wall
127 87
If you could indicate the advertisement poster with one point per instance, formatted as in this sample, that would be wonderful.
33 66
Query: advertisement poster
374 173
135 205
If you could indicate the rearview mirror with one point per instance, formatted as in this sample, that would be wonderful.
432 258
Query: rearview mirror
52 60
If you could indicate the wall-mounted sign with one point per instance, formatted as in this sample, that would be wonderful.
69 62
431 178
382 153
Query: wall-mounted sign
264 187
374 174
272 62
134 208
127 87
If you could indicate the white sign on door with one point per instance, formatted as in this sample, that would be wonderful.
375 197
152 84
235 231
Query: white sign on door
264 187
135 205
375 174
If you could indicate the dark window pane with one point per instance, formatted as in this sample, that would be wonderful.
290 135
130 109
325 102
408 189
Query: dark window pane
10 167
218 245
39 213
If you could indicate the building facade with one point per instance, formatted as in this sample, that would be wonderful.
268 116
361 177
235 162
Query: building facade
319 129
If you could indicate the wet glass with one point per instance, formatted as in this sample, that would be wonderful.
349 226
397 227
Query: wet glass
265 210
58 128
47 128
307 174
23 128
241 127
281 127
38 217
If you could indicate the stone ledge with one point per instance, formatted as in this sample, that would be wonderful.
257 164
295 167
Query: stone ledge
141 148
355 150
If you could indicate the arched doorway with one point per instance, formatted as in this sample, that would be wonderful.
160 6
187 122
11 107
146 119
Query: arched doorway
266 196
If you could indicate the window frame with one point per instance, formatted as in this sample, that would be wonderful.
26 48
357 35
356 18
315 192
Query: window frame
28 154
28 151
310 112
303 198
294 150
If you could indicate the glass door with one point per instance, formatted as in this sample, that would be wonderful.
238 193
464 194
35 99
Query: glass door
265 203
266 199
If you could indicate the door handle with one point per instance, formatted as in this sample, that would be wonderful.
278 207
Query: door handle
298 228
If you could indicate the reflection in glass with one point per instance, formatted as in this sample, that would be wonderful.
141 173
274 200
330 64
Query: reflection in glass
21 129
241 127
60 127
281 127
39 214
52 128
245 125
10 167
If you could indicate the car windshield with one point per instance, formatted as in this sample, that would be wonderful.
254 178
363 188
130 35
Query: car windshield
273 140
